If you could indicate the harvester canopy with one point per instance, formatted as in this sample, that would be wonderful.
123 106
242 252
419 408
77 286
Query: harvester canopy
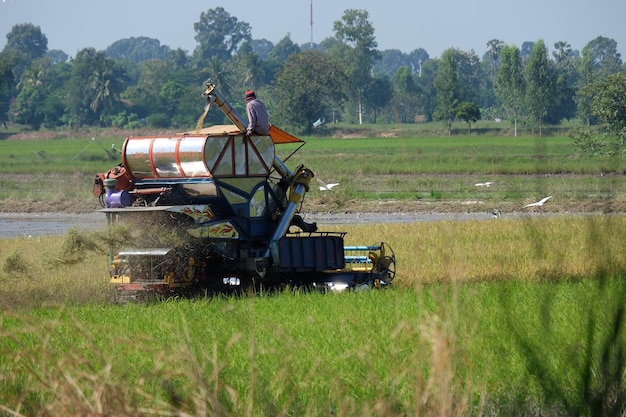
278 135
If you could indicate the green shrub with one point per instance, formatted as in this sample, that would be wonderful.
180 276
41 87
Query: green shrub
15 263
159 120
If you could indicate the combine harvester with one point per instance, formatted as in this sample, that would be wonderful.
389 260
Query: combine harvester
214 210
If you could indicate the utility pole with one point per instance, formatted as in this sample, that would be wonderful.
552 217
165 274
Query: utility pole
311 24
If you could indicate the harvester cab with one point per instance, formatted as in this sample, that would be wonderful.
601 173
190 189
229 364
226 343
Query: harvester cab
218 210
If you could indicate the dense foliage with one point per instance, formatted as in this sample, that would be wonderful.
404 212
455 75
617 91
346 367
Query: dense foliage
138 81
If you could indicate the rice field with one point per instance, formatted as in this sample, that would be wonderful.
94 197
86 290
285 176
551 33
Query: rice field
407 173
505 316
516 316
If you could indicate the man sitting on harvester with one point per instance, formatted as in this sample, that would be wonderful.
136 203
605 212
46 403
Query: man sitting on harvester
258 119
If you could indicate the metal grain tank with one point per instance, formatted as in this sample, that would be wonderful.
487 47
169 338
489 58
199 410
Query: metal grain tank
193 156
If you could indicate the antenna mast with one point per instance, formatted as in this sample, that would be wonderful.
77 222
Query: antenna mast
311 24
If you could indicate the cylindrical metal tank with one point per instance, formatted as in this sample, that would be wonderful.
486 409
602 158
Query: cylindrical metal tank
193 156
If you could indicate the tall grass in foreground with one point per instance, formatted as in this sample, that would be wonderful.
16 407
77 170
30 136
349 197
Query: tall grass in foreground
505 317
509 348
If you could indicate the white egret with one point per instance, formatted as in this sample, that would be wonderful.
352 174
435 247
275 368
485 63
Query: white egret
318 122
538 203
328 187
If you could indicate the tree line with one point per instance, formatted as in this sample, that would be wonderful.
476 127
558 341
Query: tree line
345 78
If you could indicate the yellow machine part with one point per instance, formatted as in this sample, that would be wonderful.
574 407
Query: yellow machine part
120 279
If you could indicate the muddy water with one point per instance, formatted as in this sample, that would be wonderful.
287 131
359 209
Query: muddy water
40 224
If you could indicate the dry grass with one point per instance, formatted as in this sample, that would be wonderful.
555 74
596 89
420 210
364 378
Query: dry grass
52 270
527 249
42 270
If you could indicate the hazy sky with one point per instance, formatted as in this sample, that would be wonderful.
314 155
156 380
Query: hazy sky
435 25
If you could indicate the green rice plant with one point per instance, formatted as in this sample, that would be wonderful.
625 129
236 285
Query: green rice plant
403 169
507 347
57 155
456 155
306 367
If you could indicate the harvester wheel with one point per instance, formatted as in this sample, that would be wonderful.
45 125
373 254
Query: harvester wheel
386 263
386 268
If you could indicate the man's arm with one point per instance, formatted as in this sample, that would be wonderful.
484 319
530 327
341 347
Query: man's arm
251 119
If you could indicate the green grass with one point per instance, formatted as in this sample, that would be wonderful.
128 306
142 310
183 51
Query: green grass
509 317
473 349
58 155
60 172
53 174
456 155
440 129
446 169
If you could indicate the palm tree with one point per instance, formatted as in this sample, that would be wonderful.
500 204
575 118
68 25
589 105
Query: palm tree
33 75
494 45
219 74
254 71
105 86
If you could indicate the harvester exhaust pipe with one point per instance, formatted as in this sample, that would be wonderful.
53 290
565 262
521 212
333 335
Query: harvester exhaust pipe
299 186
213 95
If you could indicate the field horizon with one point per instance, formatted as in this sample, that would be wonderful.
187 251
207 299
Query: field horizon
376 174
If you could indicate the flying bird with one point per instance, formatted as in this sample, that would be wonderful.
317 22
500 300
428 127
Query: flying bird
538 203
484 184
318 122
328 187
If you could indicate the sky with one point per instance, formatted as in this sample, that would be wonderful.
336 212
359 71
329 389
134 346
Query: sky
435 25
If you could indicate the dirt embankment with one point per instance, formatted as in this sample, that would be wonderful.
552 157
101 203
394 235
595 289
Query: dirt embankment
87 133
